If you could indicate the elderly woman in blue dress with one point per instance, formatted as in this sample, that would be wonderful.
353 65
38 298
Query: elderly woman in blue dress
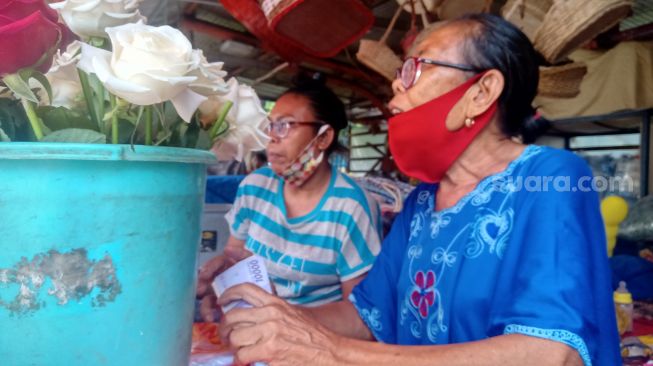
484 266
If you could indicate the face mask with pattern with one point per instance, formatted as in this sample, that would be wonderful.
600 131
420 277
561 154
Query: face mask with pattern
303 167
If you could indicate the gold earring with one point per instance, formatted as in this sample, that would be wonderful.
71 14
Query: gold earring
469 122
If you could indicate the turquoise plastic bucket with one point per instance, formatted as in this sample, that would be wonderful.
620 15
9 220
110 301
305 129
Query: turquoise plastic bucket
98 245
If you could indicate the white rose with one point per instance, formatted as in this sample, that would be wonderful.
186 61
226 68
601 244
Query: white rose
209 75
90 18
148 65
64 78
247 121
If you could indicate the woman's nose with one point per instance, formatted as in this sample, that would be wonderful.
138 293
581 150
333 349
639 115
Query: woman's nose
274 138
397 87
395 105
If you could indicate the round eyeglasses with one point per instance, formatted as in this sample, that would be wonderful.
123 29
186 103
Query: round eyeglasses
411 70
281 128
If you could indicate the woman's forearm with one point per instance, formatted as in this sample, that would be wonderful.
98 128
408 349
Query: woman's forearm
342 318
506 350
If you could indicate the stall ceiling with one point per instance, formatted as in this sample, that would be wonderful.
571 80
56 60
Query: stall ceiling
223 38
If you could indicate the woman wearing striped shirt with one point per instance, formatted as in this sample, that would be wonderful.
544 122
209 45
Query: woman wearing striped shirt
317 230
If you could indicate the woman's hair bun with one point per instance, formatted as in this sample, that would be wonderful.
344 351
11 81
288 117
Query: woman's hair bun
533 127
314 80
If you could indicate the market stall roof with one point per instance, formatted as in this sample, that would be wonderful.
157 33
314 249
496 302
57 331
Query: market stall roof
223 38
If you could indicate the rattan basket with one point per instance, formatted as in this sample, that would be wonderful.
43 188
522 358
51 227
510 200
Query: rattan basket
561 81
527 15
377 55
571 23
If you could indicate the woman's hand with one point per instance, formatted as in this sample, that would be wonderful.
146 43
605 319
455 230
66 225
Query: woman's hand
233 252
208 300
275 331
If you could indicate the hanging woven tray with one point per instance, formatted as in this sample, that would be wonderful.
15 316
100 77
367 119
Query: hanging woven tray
377 55
561 81
571 23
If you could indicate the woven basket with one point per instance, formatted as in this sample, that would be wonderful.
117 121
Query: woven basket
571 23
377 55
320 27
527 15
450 9
250 14
561 81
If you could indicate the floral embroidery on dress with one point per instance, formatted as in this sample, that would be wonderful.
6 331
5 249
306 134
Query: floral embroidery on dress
422 197
423 295
438 222
372 318
493 230
416 225
442 255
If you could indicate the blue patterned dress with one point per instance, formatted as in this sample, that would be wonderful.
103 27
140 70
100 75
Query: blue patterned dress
524 252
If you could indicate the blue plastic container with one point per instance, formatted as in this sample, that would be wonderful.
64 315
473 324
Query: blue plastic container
98 246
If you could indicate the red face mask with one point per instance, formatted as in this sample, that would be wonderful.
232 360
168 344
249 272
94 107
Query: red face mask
420 143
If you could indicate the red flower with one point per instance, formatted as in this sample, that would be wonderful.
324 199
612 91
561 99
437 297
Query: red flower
423 297
29 35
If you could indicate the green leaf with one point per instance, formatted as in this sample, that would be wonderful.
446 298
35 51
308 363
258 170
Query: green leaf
203 140
60 118
19 87
13 120
125 130
191 137
40 77
171 117
163 138
4 137
98 42
76 135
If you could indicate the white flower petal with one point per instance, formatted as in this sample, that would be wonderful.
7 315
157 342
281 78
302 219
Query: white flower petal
90 53
89 18
186 103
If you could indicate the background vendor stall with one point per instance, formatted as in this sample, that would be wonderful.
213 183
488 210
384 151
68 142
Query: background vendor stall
595 98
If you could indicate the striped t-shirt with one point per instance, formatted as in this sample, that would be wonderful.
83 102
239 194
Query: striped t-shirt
309 256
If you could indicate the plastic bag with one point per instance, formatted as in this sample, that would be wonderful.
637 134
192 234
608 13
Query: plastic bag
638 226
207 349
212 359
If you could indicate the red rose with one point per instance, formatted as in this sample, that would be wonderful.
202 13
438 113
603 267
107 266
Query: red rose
29 35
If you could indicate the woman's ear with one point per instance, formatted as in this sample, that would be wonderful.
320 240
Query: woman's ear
484 93
325 140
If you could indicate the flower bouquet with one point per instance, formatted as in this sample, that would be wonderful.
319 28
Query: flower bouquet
122 82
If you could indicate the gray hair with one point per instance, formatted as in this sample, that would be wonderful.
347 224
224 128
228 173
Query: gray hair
425 33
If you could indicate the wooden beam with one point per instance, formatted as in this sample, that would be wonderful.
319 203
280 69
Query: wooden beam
215 31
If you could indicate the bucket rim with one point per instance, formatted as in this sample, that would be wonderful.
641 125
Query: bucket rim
102 152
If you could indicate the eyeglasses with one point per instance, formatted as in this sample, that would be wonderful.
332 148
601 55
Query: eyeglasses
411 70
281 128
